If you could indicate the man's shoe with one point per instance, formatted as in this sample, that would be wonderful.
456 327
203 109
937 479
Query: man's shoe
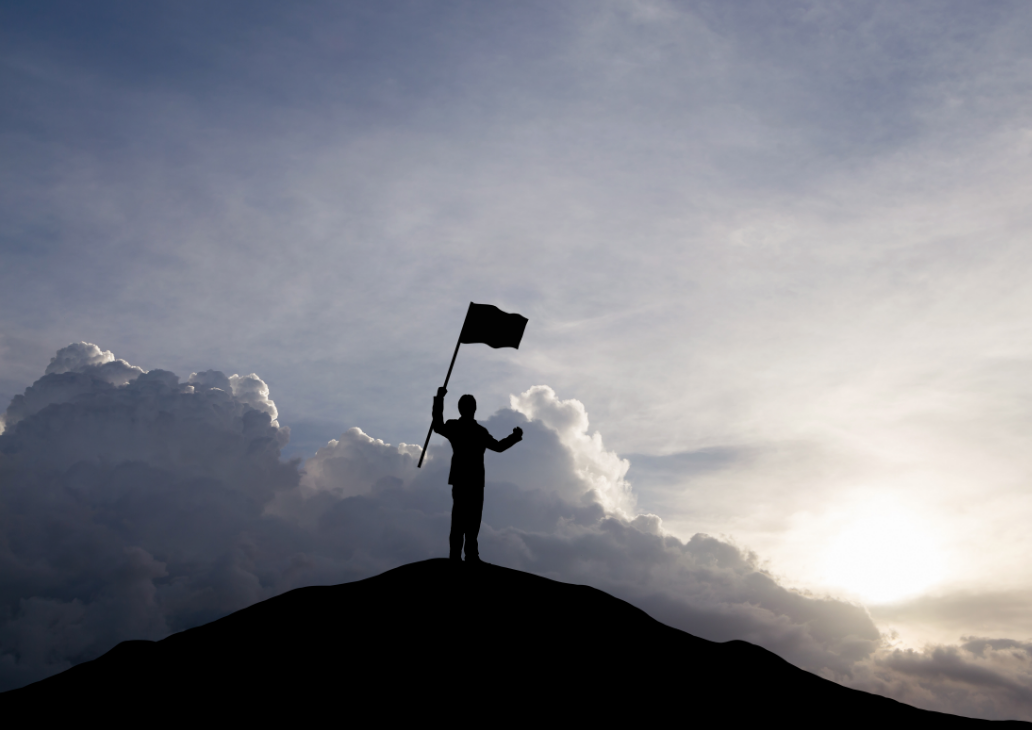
475 560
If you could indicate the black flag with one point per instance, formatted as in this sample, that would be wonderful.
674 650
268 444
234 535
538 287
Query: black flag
488 324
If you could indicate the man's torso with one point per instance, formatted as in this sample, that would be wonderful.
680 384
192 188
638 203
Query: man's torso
469 441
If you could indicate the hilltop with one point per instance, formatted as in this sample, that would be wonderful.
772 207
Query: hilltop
437 639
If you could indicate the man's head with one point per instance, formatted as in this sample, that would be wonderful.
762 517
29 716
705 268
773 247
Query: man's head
467 406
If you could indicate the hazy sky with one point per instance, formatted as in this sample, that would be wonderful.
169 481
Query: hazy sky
777 254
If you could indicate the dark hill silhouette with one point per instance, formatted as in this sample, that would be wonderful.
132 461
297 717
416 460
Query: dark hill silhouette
439 639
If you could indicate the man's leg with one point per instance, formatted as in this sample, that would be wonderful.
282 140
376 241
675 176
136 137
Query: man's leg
474 512
458 525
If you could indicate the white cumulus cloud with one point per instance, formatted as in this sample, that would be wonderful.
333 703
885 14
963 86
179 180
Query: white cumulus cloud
603 470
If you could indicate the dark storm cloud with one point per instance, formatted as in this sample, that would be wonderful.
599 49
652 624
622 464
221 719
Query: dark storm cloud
129 509
139 509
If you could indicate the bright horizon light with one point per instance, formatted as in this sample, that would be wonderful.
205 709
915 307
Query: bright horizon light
884 556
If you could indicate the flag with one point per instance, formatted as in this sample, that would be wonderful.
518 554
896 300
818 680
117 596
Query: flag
488 324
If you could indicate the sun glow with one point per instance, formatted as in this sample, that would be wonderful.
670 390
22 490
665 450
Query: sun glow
884 556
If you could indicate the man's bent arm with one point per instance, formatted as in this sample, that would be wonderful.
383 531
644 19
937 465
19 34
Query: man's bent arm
507 442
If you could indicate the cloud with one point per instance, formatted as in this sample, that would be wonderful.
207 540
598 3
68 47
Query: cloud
603 470
247 389
989 678
949 615
128 509
79 358
138 509
352 464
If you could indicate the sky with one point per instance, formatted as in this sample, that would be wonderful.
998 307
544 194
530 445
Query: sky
773 257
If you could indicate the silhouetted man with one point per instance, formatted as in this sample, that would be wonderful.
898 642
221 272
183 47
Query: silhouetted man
469 440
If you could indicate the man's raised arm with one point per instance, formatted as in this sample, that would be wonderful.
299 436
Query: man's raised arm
437 424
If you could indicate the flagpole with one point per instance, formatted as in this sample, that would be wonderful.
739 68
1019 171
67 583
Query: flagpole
446 379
